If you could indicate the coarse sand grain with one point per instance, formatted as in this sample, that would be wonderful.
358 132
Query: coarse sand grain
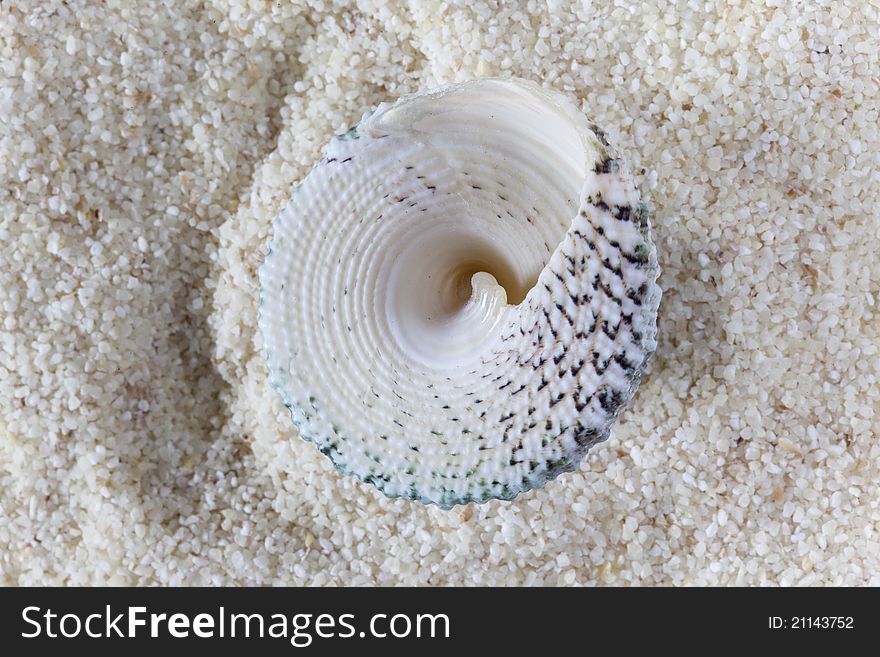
145 149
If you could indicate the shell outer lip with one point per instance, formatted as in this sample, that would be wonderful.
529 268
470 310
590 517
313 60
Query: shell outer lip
650 300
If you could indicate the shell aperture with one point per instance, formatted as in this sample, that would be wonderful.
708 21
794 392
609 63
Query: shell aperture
461 294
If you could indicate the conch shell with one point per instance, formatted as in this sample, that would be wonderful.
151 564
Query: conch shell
461 294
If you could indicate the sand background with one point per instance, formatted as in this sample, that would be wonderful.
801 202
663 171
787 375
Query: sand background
145 148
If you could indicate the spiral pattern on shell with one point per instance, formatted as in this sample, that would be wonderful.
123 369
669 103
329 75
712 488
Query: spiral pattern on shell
461 295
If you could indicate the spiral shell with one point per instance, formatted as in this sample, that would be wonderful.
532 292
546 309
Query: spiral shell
461 295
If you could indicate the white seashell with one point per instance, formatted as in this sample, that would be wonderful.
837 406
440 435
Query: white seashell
461 294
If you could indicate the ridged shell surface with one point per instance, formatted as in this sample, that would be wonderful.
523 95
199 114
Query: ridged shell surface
461 295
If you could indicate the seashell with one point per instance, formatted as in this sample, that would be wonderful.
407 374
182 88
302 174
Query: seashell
461 294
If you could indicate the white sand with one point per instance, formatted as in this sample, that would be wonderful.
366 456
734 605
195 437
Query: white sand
144 151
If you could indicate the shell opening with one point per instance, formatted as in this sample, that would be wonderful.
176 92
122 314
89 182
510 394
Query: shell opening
520 163
447 294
